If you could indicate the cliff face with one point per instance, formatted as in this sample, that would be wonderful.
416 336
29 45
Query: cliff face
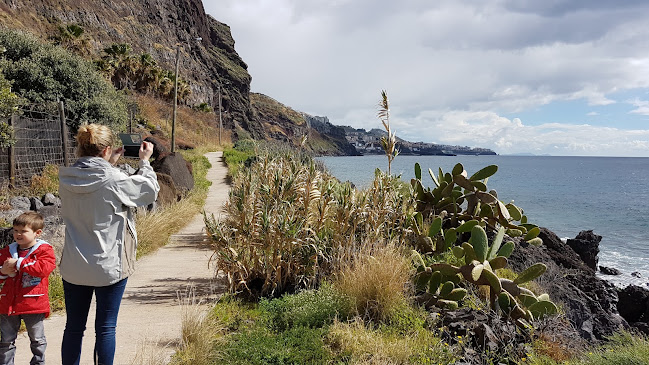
279 122
154 27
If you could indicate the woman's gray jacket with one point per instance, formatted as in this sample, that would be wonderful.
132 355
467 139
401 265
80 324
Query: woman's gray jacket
100 237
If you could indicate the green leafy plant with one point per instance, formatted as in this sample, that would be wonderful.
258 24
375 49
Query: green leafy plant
44 74
6 135
309 308
459 202
443 282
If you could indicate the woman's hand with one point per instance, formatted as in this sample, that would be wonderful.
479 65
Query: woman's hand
146 150
117 152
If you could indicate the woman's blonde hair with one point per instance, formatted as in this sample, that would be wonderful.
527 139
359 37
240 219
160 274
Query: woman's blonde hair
92 139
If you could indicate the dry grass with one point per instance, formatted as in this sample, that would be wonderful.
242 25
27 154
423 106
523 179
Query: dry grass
199 332
290 224
194 127
376 283
155 228
149 354
364 345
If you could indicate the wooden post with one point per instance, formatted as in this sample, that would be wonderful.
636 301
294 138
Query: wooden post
12 156
64 134
173 121
220 119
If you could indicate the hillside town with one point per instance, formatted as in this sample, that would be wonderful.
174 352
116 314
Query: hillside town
368 143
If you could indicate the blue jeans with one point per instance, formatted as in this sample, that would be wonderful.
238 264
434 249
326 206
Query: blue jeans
9 327
77 305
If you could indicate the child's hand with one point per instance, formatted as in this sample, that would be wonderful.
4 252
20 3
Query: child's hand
9 266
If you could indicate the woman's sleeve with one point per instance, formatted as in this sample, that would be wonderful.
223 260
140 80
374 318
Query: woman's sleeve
140 189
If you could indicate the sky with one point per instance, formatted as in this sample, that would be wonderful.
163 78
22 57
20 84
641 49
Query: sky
557 77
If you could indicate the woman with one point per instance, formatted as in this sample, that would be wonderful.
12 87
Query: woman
100 239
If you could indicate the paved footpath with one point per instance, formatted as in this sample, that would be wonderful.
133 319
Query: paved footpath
149 322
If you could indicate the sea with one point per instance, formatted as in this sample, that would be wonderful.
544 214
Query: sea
608 195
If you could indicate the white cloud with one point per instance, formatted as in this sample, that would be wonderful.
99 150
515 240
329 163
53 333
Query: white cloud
642 107
442 59
505 136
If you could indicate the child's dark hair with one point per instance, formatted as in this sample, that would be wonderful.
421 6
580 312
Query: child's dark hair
30 219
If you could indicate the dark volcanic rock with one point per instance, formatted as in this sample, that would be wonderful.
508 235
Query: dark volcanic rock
609 270
586 245
36 204
590 303
175 166
160 146
634 303
168 193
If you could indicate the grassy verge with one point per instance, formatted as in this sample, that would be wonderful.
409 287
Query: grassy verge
154 229
236 156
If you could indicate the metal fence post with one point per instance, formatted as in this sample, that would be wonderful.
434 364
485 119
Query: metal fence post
12 155
64 134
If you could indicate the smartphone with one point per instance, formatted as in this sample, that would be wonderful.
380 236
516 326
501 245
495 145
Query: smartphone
131 142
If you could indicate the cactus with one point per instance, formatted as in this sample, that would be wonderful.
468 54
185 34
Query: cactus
442 282
457 203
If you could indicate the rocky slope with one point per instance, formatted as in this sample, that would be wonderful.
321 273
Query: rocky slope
279 122
154 27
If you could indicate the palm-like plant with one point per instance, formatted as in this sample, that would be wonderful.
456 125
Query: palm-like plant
389 142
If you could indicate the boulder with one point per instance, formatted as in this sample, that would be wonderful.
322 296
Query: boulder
168 193
586 245
161 147
609 270
590 303
36 204
51 199
175 166
20 203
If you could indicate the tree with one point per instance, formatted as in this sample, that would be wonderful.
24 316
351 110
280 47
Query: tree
43 74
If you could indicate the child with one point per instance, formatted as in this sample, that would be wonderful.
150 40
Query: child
26 266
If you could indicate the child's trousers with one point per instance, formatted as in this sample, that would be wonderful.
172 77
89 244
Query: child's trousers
9 327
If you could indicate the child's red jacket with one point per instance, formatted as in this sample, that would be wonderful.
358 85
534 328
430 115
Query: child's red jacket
27 291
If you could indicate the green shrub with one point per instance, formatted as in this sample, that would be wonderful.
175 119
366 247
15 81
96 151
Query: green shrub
235 314
309 308
43 74
259 346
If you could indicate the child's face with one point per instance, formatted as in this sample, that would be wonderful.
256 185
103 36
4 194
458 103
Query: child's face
25 236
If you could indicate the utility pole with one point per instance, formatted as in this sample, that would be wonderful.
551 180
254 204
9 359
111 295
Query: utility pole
173 121
220 119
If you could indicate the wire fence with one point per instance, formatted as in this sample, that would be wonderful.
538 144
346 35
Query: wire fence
41 139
